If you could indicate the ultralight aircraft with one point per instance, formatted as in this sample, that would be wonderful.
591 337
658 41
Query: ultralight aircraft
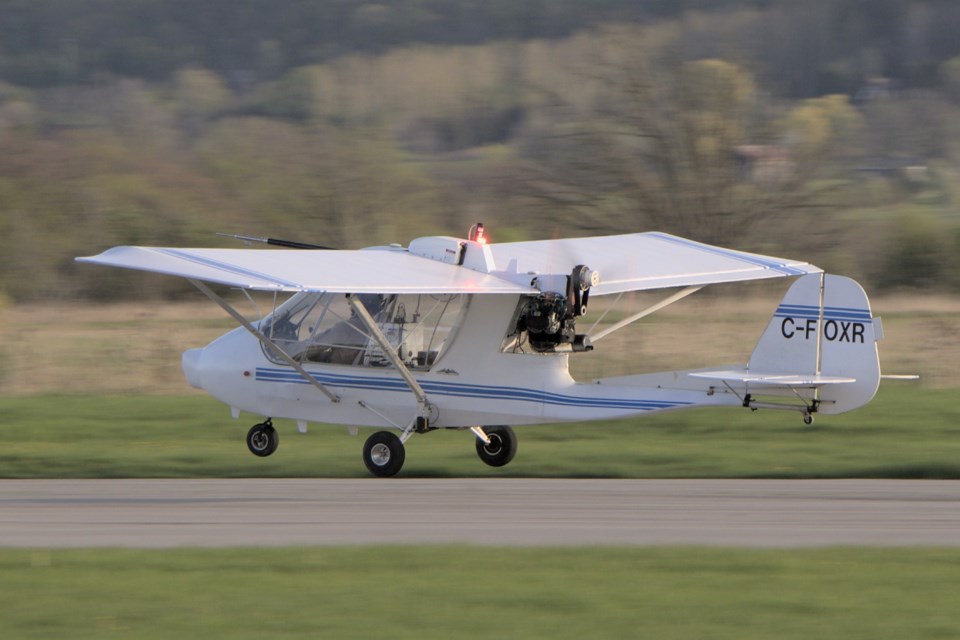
452 333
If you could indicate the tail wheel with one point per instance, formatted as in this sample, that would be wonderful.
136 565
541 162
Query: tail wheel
502 447
263 439
383 453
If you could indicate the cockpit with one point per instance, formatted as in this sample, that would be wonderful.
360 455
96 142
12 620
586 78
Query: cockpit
324 328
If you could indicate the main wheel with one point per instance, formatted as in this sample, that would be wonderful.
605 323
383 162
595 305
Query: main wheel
383 453
262 439
502 447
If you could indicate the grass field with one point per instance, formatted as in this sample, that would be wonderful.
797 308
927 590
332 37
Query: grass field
464 592
906 432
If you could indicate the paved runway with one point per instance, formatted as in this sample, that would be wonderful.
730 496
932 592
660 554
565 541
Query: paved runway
213 513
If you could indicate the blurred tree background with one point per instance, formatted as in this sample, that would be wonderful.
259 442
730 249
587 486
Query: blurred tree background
826 130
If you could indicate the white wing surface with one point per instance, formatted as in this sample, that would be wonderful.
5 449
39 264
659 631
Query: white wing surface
366 271
630 262
639 261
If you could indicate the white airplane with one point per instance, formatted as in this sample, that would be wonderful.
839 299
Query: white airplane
453 333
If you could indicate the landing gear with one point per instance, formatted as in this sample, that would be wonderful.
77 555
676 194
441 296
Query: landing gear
502 447
383 453
807 418
262 439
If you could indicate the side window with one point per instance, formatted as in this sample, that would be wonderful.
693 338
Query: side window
422 326
322 328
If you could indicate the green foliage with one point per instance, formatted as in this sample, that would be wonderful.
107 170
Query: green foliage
199 95
357 123
950 77
48 42
6 366
715 97
821 127
825 47
83 191
294 96
919 254
952 265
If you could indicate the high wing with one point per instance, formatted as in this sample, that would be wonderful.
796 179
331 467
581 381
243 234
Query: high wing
640 261
389 270
630 262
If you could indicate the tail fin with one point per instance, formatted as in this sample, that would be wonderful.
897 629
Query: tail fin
824 327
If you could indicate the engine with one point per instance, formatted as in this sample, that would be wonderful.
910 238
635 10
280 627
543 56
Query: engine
550 319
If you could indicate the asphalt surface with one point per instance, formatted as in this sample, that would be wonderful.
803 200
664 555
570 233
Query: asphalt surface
526 512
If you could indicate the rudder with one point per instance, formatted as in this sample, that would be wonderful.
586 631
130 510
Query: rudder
824 327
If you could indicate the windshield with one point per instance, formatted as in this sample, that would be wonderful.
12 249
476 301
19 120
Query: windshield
322 328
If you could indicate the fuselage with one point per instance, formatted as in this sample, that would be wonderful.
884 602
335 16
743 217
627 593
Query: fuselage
474 381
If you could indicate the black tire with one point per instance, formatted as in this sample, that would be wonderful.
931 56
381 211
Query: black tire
262 439
383 453
502 447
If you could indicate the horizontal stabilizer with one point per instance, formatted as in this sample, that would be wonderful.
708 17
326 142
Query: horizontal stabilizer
772 379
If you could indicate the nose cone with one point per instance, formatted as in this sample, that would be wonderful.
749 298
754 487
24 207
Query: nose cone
191 367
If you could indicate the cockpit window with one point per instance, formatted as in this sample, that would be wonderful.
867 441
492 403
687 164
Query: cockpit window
322 328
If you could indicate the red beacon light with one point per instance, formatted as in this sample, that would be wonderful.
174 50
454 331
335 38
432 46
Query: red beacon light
476 234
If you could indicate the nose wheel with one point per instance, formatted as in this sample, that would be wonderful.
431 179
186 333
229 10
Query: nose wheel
263 439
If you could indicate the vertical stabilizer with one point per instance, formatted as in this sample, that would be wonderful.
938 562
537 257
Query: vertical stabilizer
824 327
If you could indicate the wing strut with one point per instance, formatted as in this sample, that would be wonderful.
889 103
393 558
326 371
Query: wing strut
666 302
391 354
207 291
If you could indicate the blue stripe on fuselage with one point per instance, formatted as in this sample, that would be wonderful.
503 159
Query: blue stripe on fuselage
461 390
